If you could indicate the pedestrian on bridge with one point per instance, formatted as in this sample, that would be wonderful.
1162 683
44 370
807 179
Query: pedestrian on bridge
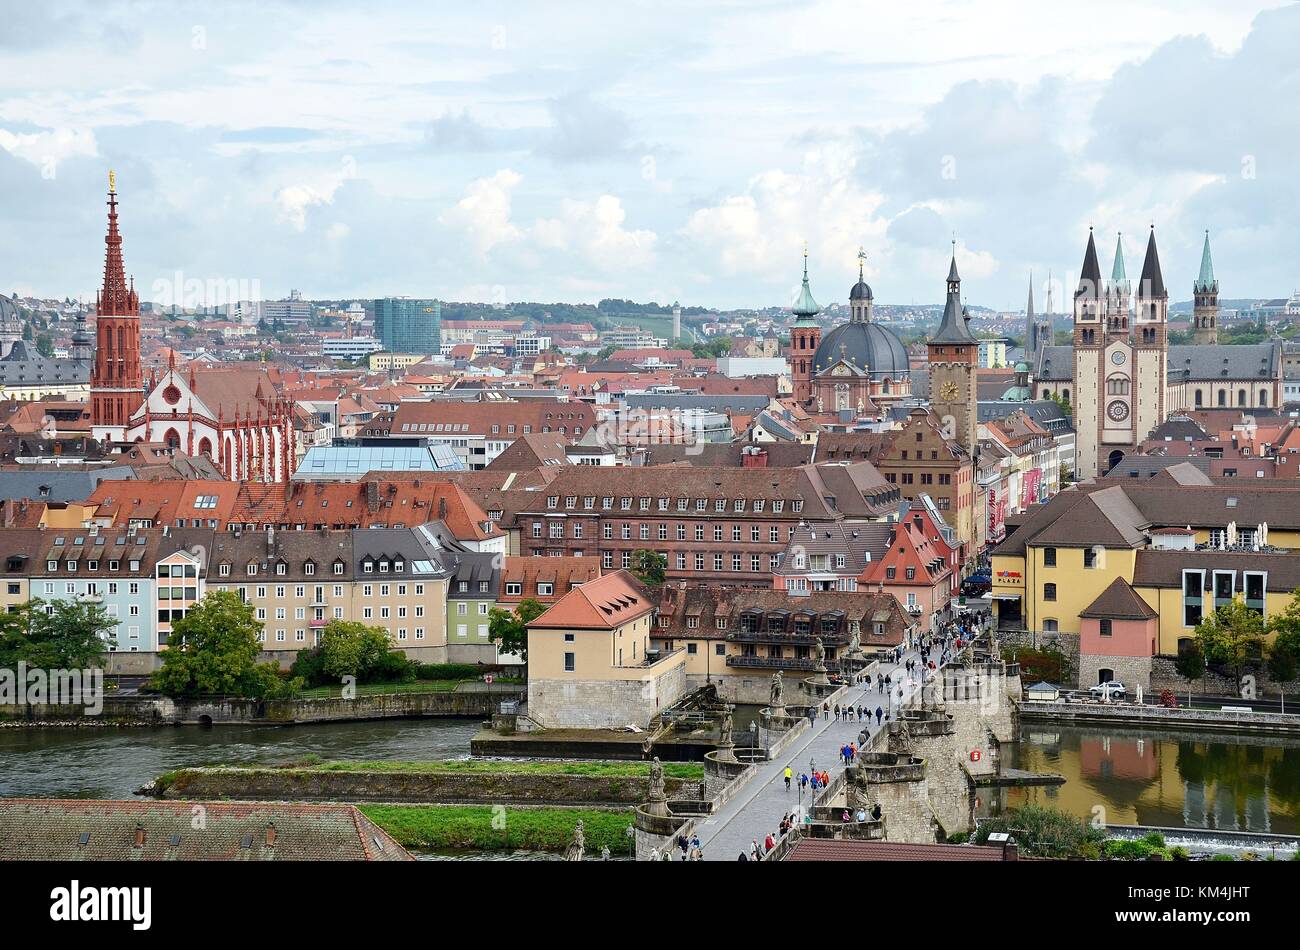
789 774
879 712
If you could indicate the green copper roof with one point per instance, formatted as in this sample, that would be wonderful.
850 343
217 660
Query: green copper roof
1117 274
805 308
1205 282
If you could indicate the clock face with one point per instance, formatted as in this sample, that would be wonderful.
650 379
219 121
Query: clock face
1118 357
949 391
1117 410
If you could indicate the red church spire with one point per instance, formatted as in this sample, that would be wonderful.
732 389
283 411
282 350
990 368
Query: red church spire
116 385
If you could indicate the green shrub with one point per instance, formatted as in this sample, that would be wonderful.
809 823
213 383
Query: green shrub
1224 857
393 667
1045 832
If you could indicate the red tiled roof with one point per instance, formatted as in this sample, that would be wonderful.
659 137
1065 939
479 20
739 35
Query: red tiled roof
833 849
603 604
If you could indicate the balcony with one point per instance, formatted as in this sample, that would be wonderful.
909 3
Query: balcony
316 624
787 639
780 663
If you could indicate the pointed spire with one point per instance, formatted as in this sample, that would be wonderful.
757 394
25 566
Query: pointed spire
1152 283
1205 282
1030 326
805 308
1090 275
1117 275
954 327
115 298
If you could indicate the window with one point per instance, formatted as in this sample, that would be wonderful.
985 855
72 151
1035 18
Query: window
1049 557
514 589
545 588
1049 592
1089 557
1104 627
569 662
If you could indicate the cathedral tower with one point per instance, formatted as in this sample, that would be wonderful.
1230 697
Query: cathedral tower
116 385
1205 296
1118 295
804 337
954 356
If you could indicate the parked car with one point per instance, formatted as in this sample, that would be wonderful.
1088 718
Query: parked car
1113 689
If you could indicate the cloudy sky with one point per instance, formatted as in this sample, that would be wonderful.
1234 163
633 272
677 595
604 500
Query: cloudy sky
661 150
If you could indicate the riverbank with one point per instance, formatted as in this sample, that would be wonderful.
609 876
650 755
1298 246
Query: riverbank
497 828
476 700
453 782
1197 720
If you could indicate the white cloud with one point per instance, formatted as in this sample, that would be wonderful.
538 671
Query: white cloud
595 230
49 146
483 214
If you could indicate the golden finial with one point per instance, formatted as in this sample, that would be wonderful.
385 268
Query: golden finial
112 182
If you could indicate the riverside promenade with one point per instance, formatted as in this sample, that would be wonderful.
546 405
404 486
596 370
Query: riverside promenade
757 810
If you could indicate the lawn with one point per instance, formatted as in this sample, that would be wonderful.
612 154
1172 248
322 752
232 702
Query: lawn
496 827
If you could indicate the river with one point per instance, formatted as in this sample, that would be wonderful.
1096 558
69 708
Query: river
1171 779
113 763
1168 779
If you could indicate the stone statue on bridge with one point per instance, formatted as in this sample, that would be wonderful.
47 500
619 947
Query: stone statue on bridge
578 846
819 655
727 726
657 793
776 699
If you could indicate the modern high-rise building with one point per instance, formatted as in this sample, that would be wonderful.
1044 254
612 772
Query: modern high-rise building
408 326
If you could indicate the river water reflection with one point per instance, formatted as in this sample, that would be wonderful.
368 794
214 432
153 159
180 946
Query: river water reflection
1168 779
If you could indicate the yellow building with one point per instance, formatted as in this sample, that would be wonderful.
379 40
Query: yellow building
590 661
298 581
1131 569
384 360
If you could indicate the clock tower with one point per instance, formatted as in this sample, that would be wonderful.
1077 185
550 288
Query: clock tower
954 356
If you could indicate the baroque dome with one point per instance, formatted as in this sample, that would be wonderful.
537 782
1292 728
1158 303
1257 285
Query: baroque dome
871 347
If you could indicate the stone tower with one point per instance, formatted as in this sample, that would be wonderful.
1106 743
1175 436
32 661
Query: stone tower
954 357
1089 367
1151 345
116 383
804 337
1205 297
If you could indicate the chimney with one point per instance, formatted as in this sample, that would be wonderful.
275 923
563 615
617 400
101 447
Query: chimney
442 509
1009 851
270 540
139 836
270 834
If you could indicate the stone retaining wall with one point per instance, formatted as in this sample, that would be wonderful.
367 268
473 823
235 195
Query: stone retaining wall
163 711
448 788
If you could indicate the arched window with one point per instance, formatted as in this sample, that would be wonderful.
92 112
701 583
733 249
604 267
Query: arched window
173 439
1223 397
1241 397
1263 397
1200 398
205 447
1065 394
1114 459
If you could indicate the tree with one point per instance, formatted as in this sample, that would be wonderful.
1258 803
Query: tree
1232 636
349 648
1190 664
649 567
509 628
214 649
58 635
